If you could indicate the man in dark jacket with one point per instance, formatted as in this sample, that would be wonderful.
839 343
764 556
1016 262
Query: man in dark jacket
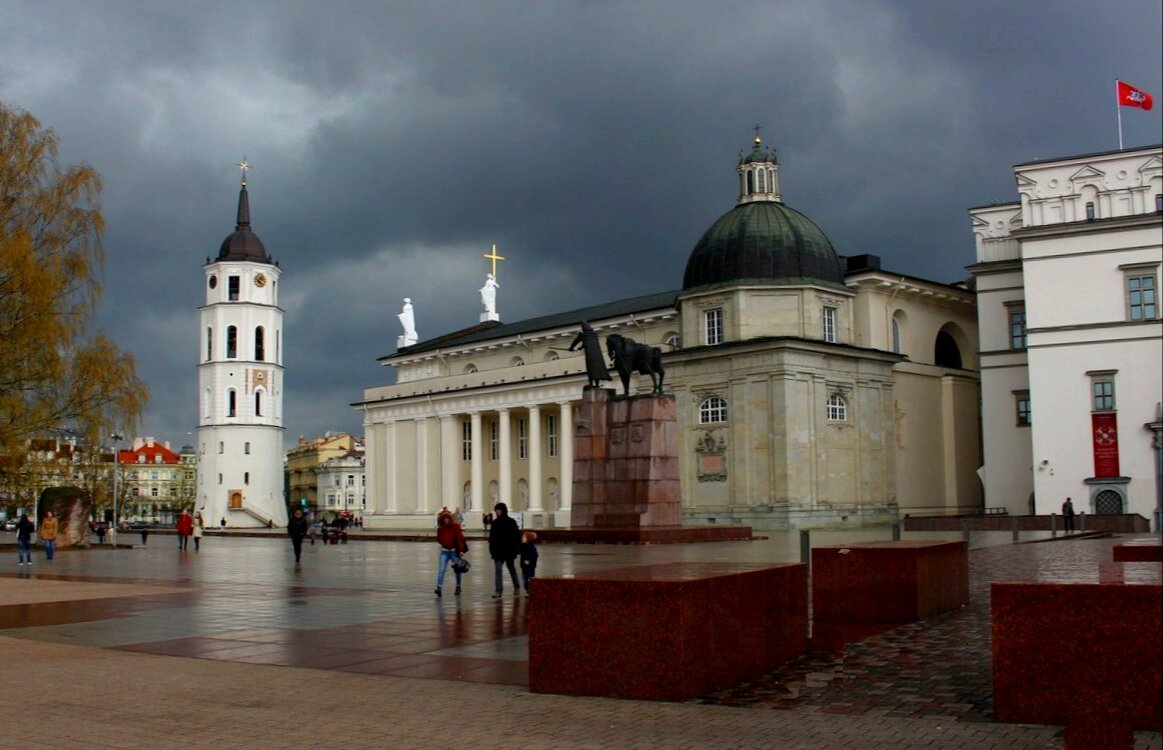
25 527
504 541
297 528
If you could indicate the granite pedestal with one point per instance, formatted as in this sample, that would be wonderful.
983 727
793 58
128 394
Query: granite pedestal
1084 653
1138 550
888 582
625 474
665 632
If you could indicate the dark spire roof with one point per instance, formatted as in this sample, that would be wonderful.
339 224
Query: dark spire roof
243 244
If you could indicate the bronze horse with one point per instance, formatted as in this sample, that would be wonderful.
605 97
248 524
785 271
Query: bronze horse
630 356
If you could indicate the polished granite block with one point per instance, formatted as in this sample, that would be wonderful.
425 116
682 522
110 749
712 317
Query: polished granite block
665 632
888 582
1138 550
626 534
1083 650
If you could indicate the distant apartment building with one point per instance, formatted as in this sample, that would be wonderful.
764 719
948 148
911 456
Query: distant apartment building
1071 335
156 482
313 467
153 482
342 484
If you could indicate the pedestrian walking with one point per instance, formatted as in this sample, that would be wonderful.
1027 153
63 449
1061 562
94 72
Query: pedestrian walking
458 516
222 523
144 533
198 530
504 541
297 528
48 534
453 545
528 554
100 529
1068 514
24 529
184 527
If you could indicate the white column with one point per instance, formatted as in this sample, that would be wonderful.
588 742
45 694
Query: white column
449 462
505 477
422 459
565 454
372 471
478 466
535 458
390 467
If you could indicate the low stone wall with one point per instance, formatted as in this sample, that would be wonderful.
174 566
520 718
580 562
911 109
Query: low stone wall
665 632
1124 524
1085 654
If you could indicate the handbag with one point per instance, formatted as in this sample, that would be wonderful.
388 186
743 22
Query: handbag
461 565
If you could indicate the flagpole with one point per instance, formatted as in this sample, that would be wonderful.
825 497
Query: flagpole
1119 109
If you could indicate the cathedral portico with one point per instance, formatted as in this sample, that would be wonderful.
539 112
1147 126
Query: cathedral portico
464 454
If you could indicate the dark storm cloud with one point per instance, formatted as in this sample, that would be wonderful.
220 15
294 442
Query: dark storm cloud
393 143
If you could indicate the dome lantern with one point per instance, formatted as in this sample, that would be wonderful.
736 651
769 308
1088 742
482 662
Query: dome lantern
758 173
761 240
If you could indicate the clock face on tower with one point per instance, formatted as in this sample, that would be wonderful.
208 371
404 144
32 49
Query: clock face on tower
260 281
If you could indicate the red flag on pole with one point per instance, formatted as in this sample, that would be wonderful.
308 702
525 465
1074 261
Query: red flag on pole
1129 96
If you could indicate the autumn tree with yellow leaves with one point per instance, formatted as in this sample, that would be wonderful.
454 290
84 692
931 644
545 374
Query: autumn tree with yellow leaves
56 371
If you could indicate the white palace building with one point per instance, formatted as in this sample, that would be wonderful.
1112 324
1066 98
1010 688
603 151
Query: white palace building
812 389
1071 333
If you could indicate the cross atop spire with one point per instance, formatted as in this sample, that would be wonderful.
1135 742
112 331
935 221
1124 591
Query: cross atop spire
494 258
757 138
244 165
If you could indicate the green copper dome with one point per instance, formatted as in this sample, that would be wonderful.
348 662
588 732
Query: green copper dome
762 241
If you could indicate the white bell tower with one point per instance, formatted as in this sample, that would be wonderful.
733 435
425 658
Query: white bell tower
240 383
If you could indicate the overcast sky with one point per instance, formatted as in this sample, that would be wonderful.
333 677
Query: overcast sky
593 142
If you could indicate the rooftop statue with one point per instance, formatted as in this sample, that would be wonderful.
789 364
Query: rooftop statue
596 370
408 320
489 295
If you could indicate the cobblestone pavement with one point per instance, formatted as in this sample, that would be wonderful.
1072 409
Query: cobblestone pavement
939 668
353 650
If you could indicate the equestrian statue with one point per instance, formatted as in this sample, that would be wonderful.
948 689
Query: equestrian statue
630 356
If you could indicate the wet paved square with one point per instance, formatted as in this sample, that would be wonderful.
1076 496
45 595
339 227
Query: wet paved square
368 608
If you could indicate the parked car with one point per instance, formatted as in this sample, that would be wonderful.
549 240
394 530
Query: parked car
10 524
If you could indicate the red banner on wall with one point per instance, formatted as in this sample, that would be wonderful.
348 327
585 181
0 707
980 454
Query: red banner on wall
1104 430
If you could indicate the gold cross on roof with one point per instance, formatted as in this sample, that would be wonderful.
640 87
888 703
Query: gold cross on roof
494 258
244 165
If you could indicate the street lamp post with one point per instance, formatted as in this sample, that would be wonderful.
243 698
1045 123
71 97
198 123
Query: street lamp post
116 438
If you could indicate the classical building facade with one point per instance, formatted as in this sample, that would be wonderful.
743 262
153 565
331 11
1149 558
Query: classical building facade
811 389
1072 365
240 383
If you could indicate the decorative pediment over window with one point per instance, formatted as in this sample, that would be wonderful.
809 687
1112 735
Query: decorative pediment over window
1025 181
1152 166
1087 174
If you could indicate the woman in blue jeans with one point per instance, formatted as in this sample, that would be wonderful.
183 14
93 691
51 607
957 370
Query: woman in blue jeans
452 543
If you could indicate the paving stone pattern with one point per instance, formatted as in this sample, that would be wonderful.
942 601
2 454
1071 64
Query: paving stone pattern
234 647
